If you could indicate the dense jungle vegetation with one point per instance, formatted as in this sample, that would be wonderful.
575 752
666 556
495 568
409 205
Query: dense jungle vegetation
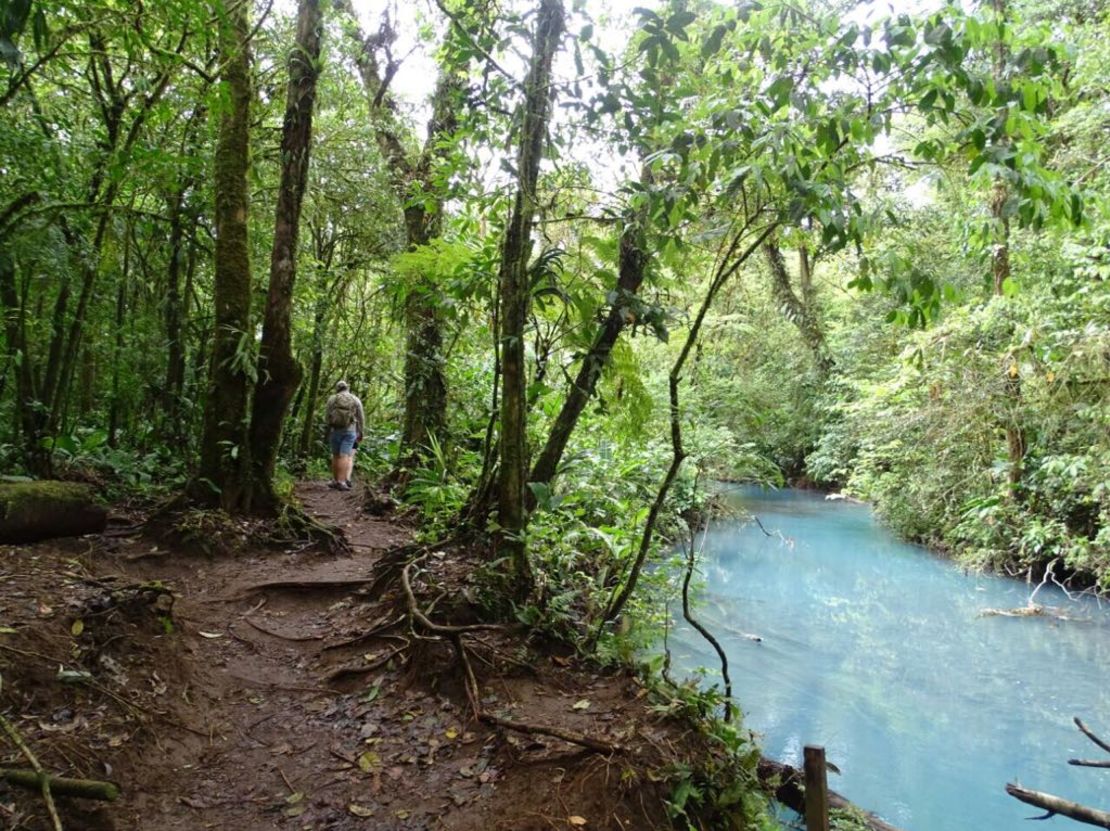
577 261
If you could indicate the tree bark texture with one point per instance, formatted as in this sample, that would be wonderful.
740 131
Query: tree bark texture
279 373
515 294
632 266
224 444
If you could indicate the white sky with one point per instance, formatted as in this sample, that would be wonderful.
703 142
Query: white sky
614 23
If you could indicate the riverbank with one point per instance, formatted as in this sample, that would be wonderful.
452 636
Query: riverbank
294 688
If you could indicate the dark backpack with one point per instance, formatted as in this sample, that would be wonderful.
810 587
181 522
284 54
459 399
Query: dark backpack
343 409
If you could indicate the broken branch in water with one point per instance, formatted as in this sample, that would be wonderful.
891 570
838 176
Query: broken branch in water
1027 611
1058 805
1065 807
1086 731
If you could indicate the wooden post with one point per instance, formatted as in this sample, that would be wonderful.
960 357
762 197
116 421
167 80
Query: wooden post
817 789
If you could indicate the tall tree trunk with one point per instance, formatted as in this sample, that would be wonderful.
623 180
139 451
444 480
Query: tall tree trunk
425 382
279 371
224 447
1000 274
515 295
116 407
69 354
16 338
799 311
316 366
633 264
174 316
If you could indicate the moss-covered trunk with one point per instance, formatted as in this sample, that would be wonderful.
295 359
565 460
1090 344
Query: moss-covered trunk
31 511
224 449
515 294
279 373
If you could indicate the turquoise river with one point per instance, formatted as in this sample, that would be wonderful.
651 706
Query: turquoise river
880 651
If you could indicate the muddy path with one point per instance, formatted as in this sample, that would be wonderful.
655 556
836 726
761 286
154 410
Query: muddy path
264 705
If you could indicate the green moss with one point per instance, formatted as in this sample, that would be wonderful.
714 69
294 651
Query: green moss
15 496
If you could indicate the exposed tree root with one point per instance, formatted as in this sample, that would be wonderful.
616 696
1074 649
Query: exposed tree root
456 635
294 524
474 696
439 628
343 673
273 585
390 564
380 628
274 634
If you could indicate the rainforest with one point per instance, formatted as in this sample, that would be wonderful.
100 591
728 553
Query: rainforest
476 414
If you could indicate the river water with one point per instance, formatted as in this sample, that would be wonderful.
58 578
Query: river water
877 650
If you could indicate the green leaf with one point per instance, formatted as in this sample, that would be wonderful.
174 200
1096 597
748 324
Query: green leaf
780 90
712 43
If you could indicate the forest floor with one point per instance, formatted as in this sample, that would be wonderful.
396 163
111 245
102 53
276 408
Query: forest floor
273 688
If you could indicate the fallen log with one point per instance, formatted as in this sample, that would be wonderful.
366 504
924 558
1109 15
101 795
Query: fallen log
32 511
786 784
1058 805
60 785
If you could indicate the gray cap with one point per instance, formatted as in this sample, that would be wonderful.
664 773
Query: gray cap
341 386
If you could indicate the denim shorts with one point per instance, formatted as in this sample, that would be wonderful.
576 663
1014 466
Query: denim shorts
342 442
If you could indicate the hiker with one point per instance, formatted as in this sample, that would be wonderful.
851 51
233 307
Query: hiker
345 422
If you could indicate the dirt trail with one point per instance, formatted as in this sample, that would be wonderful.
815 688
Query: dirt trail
237 718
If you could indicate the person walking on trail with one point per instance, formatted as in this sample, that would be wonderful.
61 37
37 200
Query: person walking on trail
345 420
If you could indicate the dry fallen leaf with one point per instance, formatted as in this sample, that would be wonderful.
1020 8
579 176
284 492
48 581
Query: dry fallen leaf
576 820
583 704
210 634
368 761
77 628
360 810
451 733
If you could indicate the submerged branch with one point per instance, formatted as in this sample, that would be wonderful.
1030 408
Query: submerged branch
1058 805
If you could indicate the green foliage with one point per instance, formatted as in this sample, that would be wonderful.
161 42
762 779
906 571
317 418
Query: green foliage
724 785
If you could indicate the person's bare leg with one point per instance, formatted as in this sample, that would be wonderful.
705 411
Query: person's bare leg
336 461
343 468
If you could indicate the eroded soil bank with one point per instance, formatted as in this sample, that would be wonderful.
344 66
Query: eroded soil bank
289 688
